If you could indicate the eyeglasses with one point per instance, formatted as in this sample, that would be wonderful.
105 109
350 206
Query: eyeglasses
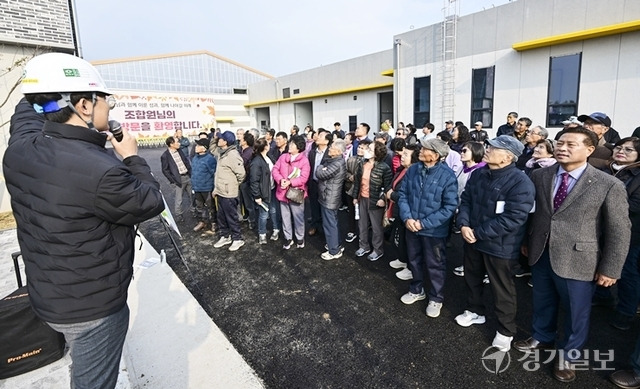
109 99
626 150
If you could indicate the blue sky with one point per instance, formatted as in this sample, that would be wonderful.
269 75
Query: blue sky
277 37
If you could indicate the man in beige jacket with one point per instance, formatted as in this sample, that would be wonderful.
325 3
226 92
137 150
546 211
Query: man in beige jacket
229 174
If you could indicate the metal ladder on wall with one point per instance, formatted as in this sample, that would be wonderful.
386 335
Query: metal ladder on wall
448 60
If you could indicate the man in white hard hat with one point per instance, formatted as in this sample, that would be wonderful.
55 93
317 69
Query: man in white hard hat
76 204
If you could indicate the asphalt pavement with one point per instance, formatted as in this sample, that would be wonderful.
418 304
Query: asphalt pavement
302 322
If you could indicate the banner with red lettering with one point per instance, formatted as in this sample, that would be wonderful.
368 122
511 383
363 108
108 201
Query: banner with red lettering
160 115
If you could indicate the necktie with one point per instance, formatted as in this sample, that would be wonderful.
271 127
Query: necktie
561 194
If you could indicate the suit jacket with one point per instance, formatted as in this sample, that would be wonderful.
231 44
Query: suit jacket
590 231
170 168
312 161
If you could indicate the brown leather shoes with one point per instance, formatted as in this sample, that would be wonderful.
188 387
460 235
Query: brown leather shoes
312 231
531 344
563 372
625 379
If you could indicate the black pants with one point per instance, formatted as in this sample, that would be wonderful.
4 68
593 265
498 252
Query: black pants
316 216
228 223
248 202
476 264
204 207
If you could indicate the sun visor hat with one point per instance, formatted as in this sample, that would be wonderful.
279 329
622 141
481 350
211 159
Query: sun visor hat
61 73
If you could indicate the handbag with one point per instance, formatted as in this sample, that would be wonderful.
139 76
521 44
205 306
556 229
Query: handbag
27 342
295 194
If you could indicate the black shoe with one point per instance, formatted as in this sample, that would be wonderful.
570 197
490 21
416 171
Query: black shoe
563 371
625 379
531 344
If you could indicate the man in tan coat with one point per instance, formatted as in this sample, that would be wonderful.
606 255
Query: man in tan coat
229 174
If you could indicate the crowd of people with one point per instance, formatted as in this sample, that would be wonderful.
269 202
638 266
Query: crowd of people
561 211
565 211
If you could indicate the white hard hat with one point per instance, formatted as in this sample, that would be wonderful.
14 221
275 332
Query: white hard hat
61 73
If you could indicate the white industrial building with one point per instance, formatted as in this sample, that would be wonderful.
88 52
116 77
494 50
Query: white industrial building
29 28
545 59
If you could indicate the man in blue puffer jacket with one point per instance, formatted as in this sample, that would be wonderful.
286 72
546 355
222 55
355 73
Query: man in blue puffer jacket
203 170
428 200
494 208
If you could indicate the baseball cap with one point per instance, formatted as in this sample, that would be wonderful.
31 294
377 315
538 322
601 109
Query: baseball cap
228 137
449 122
437 145
599 117
478 123
203 142
507 142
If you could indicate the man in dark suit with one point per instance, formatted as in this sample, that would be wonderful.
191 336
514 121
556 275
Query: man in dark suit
578 238
177 168
316 157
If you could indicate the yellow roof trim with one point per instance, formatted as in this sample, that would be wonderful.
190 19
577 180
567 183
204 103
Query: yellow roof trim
323 94
591 33
387 73
225 119
182 54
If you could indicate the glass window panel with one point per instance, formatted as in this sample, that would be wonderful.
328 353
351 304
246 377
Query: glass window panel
482 84
421 100
564 85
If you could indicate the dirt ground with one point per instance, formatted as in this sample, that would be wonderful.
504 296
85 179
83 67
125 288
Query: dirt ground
302 322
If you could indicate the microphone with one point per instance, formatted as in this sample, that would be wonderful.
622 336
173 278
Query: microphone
116 129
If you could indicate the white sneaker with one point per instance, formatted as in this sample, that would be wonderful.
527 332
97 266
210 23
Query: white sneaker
236 245
351 237
327 256
397 264
459 271
275 235
467 318
405 274
410 298
225 240
501 342
433 309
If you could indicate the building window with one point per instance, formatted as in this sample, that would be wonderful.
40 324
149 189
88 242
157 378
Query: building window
286 93
353 123
482 96
564 85
296 91
421 101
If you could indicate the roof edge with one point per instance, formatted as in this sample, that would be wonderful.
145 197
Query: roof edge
180 54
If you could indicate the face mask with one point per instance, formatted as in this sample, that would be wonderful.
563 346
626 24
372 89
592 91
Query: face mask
368 155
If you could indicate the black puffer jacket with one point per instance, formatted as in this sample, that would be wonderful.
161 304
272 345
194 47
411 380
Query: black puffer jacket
630 175
379 182
260 179
75 205
331 174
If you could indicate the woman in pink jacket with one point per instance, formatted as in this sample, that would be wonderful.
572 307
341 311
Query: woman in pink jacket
292 169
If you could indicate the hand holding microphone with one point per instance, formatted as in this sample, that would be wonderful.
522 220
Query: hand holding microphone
116 129
123 143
